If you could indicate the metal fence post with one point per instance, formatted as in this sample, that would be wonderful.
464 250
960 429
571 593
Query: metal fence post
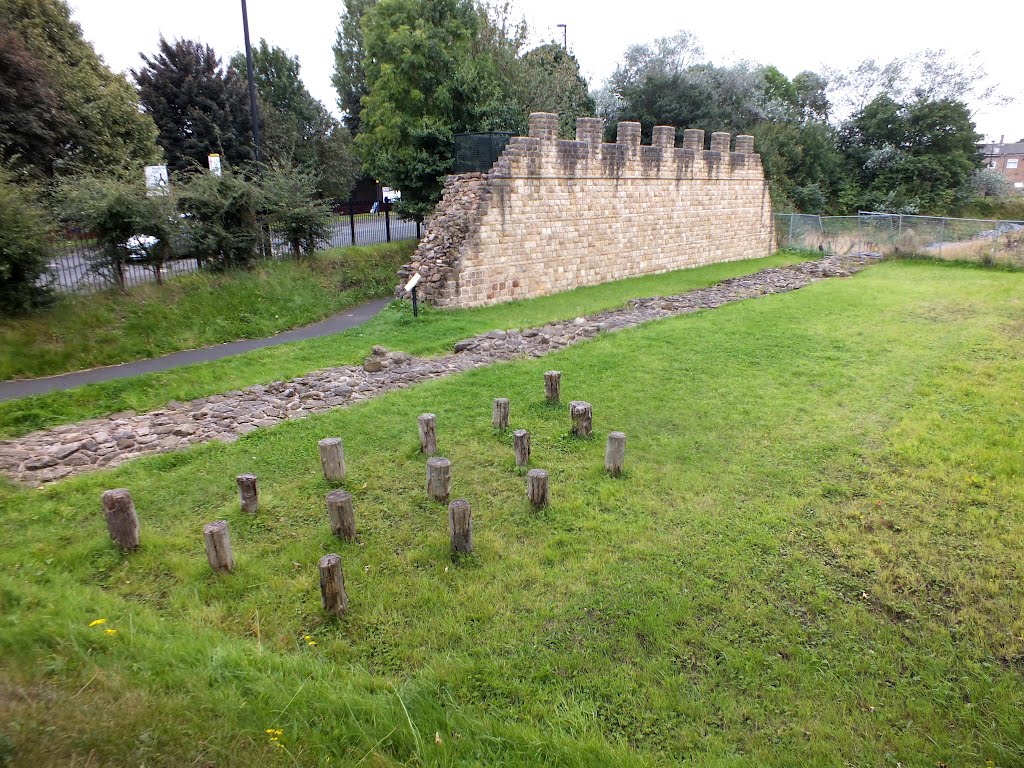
387 221
942 236
789 237
417 229
352 219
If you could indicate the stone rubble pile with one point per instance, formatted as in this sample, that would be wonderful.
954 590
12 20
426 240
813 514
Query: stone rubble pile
53 454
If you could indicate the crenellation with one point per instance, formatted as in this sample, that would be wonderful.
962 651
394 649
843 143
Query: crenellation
693 139
628 133
720 141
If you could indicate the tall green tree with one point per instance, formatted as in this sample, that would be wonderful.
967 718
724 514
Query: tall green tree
418 93
295 128
24 248
912 157
198 106
63 108
551 82
348 78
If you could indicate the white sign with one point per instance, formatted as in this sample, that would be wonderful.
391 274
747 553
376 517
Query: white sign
391 194
214 161
413 282
156 180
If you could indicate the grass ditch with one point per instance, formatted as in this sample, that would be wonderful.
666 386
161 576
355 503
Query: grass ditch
434 332
196 310
812 559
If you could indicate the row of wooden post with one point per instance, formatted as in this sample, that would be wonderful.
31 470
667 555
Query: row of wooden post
123 522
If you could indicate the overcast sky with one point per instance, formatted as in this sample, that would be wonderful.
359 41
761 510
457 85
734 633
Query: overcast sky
794 35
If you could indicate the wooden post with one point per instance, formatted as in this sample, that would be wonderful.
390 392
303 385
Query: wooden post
615 453
343 517
248 493
122 521
332 459
521 441
500 417
552 385
332 585
460 526
428 433
218 546
582 418
537 488
439 479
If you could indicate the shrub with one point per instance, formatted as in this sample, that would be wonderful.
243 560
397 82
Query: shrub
221 218
128 224
291 207
24 249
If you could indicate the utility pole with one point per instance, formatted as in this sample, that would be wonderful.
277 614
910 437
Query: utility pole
253 110
565 35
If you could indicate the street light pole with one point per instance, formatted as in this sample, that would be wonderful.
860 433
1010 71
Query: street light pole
253 110
565 35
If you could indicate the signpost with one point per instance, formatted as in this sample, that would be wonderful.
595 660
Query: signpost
214 162
410 287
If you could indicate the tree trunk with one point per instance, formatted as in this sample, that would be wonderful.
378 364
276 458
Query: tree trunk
428 433
439 479
248 493
537 488
460 526
122 521
218 546
521 442
332 459
615 453
342 515
332 585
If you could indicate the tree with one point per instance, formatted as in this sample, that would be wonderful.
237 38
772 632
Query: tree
552 83
296 129
349 79
912 157
24 249
417 95
62 106
199 107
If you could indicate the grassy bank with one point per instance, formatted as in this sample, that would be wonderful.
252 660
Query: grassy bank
434 332
197 310
813 559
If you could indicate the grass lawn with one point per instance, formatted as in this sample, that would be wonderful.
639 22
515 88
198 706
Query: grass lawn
433 333
197 310
814 558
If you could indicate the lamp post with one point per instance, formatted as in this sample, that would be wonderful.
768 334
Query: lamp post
565 35
253 111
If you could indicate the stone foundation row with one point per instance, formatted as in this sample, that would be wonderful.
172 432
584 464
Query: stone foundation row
49 455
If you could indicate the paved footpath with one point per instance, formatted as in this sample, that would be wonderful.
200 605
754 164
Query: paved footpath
49 455
342 321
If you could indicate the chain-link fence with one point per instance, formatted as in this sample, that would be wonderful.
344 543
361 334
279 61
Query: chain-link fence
79 265
985 241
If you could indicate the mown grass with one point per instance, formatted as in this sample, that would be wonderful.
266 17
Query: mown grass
197 310
814 558
432 333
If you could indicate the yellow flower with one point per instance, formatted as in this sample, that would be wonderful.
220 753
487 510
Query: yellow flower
97 622
307 637
109 631
311 643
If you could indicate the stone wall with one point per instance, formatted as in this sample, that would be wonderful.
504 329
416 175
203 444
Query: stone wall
552 215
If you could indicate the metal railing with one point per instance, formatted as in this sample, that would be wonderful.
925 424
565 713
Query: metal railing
988 241
78 265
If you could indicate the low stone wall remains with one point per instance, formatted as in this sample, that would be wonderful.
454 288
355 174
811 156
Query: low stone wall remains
552 215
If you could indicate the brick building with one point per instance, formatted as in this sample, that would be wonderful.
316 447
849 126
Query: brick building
1007 160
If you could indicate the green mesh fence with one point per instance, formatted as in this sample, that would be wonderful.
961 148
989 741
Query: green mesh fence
476 152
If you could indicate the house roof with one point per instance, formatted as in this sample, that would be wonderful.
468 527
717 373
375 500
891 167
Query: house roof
1016 148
